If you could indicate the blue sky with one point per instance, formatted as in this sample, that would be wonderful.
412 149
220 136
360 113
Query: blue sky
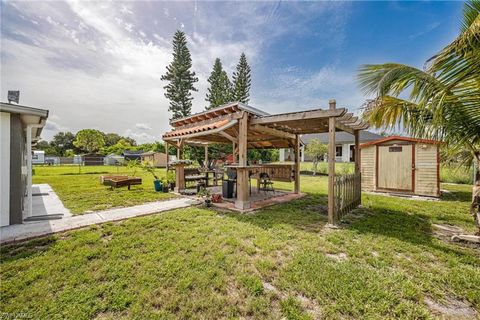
98 64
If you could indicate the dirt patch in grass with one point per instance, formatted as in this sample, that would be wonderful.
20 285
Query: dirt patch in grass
451 308
339 257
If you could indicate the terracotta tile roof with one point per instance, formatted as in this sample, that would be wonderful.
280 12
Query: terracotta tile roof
202 128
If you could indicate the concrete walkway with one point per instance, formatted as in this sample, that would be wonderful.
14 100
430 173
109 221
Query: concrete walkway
41 228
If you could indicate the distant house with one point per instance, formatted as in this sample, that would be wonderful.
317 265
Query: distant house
93 159
156 159
38 157
344 145
113 159
132 155
52 160
20 126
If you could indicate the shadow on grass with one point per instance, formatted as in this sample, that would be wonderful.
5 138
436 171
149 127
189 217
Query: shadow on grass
415 229
26 249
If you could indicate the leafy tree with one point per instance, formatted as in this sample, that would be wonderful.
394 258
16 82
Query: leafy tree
90 140
317 151
220 91
118 147
62 142
180 78
440 102
242 80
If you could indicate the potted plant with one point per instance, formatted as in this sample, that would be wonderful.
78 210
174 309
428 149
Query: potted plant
157 184
165 185
171 179
205 194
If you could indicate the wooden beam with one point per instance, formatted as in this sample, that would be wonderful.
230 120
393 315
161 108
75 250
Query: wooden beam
297 165
331 167
358 162
302 115
229 137
206 156
273 132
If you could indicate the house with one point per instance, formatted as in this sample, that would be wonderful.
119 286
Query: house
93 159
132 155
344 145
20 126
38 157
401 165
113 159
156 159
52 160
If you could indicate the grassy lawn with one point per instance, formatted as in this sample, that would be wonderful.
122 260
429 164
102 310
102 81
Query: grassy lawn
384 262
82 191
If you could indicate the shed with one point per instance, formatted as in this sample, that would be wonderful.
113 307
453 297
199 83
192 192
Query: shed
113 159
132 155
93 159
156 159
401 165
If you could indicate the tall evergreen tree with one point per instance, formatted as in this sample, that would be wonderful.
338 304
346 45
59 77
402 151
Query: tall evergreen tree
220 91
242 80
180 78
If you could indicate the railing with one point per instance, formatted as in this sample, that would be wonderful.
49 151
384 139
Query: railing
348 193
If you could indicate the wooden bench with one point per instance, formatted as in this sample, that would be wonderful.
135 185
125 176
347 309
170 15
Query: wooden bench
120 181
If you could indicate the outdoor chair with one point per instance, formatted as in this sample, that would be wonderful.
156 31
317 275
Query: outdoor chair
266 184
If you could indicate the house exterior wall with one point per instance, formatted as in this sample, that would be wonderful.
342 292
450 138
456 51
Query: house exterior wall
18 170
4 169
427 166
38 157
288 155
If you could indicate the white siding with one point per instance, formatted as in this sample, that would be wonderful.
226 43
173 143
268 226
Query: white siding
4 169
367 159
426 173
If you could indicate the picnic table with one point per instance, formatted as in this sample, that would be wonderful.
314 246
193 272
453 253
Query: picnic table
120 181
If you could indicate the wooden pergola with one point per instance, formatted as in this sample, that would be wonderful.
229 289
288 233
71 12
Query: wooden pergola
246 127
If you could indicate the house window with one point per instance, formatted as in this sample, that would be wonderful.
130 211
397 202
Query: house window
338 151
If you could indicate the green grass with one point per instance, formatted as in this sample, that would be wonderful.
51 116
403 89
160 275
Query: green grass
207 264
82 192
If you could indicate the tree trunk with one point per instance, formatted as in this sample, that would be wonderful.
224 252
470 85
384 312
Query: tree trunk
475 206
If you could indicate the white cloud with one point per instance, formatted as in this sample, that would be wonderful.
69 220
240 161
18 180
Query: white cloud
143 126
100 66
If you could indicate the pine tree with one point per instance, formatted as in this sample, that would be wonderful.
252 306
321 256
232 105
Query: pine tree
180 78
242 80
220 91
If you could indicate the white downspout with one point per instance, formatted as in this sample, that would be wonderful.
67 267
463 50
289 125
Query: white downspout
29 168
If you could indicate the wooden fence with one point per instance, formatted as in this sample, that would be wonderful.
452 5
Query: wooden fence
348 193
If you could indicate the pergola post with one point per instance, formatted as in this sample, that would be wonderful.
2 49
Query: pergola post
242 201
206 156
234 152
297 164
356 134
332 215
179 169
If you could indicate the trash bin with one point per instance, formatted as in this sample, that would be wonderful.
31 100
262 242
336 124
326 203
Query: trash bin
158 185
227 188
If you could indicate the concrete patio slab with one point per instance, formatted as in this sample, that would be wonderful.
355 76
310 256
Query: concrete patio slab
34 229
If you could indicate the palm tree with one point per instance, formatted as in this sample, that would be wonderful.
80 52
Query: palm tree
441 102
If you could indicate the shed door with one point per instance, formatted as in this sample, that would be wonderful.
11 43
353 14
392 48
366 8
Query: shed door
395 167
